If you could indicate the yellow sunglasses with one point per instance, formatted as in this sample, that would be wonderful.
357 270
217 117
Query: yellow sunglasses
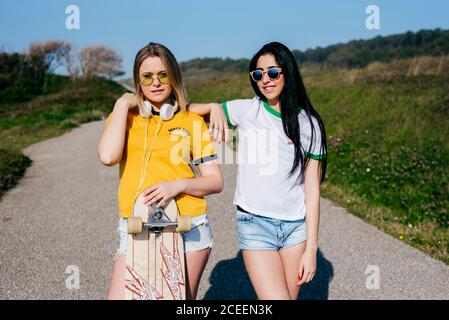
147 79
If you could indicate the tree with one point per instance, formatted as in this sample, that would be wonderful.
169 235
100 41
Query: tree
20 79
100 60
53 54
46 57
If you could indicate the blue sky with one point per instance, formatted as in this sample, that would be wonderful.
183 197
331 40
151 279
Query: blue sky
200 28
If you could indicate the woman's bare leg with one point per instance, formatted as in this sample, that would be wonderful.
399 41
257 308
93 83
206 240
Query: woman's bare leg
290 258
116 288
267 274
195 264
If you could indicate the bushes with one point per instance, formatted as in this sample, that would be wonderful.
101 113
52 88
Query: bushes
12 167
21 79
359 53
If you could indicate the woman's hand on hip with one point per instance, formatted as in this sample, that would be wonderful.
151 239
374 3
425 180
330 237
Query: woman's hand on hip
162 192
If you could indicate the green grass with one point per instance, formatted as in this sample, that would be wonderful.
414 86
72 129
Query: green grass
389 142
12 167
388 145
66 105
388 156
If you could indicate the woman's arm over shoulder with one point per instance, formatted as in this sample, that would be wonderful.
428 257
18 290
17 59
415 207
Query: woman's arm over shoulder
201 108
218 125
222 116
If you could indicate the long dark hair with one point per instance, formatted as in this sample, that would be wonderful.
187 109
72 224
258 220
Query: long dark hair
293 97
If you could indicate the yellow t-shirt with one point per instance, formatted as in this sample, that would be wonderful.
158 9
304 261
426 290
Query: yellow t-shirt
183 138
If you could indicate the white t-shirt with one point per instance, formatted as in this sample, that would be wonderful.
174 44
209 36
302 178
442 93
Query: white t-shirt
265 157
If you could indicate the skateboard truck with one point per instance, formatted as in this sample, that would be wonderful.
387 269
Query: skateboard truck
157 221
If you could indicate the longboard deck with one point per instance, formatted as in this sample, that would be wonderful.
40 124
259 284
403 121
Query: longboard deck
155 263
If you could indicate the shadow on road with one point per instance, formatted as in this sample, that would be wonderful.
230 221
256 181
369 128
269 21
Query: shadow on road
229 281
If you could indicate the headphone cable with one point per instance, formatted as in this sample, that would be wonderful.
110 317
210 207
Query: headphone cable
144 167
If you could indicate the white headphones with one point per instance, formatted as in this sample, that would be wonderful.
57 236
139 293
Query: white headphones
166 111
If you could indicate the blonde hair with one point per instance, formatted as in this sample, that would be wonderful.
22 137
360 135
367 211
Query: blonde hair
173 70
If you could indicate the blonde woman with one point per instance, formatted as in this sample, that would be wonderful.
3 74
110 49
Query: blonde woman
138 136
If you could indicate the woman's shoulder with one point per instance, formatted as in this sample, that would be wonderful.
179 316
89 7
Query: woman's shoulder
306 124
130 117
304 118
244 101
189 115
133 117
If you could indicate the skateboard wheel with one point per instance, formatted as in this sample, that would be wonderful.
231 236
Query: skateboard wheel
184 224
134 225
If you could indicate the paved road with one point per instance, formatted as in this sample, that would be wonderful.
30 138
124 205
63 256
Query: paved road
63 216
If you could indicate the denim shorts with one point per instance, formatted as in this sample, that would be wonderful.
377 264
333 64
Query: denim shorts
198 238
262 233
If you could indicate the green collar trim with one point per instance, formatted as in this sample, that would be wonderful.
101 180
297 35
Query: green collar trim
271 110
274 112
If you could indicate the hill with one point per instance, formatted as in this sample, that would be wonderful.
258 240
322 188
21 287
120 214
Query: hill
353 54
359 53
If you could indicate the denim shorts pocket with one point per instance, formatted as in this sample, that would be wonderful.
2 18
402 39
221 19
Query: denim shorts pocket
243 217
199 238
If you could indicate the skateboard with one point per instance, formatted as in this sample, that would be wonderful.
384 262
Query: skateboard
155 264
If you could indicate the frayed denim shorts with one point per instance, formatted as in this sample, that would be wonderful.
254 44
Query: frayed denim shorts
262 233
198 238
